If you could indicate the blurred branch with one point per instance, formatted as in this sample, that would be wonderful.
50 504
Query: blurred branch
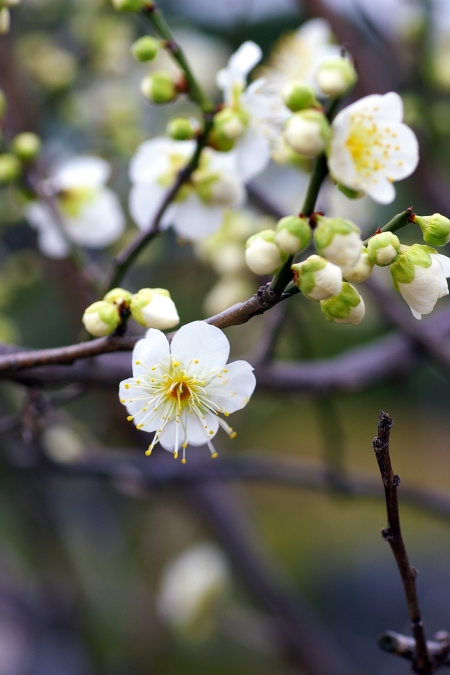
401 645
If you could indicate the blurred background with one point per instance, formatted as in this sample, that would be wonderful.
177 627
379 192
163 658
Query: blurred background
111 576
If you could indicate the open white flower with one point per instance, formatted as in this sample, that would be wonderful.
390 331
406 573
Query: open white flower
90 213
371 147
179 391
198 209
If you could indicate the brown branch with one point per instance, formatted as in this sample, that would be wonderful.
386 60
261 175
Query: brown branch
422 662
402 645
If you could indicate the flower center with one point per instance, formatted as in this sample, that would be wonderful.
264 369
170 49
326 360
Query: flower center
181 388
72 200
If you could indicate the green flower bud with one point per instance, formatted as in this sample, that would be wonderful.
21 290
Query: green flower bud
338 240
219 143
317 278
362 270
230 123
293 234
346 307
159 87
129 5
180 129
307 132
349 193
336 76
154 308
119 297
5 21
435 229
383 248
26 146
262 253
101 318
3 104
10 168
299 96
146 48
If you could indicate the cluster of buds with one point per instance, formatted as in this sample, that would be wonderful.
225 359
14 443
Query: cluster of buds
268 250
150 307
5 17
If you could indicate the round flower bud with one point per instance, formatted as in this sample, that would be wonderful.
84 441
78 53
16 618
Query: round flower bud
361 271
3 104
338 240
119 297
317 278
146 48
230 124
346 307
180 129
299 96
218 142
383 248
159 87
101 318
9 168
262 254
26 146
5 21
435 229
336 76
223 190
293 234
154 308
307 132
128 5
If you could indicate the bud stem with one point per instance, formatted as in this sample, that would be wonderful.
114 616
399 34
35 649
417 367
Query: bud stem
400 220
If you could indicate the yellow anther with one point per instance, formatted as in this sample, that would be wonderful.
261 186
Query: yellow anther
233 435
227 414
225 370
176 364
138 382
139 426
127 386
138 363
122 400
183 461
175 455
154 368
214 455
195 360
144 410
185 445
212 433
129 418
148 452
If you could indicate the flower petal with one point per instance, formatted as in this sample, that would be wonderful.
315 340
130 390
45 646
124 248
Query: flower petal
200 341
150 351
190 426
152 158
82 171
100 222
445 263
253 154
245 58
50 240
138 401
145 200
234 389
193 219
381 190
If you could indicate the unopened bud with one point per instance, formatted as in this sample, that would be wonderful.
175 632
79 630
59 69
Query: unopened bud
26 146
230 124
435 229
262 253
159 87
346 307
293 234
307 132
383 248
317 278
5 21
219 143
146 48
119 297
361 271
299 96
338 240
181 129
128 5
101 318
10 168
336 76
154 308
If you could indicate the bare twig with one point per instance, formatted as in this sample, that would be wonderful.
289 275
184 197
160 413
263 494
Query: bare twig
395 643
422 662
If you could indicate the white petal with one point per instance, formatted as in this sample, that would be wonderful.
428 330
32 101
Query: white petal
233 390
150 351
82 171
402 162
439 275
145 200
422 292
139 400
152 158
100 222
193 219
51 241
196 432
445 262
415 314
245 58
200 341
253 154
381 191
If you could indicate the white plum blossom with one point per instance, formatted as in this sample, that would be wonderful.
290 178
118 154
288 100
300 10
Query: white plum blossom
89 213
198 208
371 147
180 391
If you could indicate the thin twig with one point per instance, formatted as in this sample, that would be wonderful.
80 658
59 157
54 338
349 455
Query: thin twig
422 662
402 645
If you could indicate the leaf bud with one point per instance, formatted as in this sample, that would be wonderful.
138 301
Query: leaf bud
101 318
159 87
435 229
10 168
129 5
299 96
335 76
338 240
262 253
26 146
145 48
293 234
383 248
181 129
307 132
230 124
119 297
346 307
154 308
317 278
361 271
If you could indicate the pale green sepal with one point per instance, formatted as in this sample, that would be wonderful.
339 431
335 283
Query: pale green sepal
328 227
293 234
180 129
435 229
349 193
299 96
304 273
159 87
402 270
339 306
118 297
335 76
101 318
383 248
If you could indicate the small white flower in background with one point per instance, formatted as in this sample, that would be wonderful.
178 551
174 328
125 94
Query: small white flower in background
420 274
179 391
154 308
317 278
262 253
371 147
198 209
383 248
252 147
346 307
229 290
191 587
338 240
90 213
